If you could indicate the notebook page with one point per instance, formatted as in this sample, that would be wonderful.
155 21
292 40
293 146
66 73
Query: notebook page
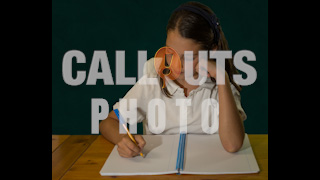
160 158
204 154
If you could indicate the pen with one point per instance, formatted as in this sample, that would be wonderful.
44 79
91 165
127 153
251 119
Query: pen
125 127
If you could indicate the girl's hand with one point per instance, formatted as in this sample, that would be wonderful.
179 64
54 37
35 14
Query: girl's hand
127 148
211 70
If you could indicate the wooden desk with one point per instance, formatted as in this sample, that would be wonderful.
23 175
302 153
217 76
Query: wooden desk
82 157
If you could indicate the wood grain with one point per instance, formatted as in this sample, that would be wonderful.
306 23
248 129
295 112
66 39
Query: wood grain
57 140
68 152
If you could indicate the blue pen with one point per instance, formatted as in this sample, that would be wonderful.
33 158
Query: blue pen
116 111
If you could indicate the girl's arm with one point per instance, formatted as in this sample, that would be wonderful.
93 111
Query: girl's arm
109 129
231 129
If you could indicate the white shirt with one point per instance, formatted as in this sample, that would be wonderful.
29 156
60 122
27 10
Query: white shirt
144 93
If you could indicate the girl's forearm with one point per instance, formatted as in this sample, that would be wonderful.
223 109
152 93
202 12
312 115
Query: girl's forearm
231 129
109 128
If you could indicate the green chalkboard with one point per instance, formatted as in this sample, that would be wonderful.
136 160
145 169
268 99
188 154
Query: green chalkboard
89 26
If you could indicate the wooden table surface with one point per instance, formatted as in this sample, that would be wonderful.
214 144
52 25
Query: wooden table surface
82 157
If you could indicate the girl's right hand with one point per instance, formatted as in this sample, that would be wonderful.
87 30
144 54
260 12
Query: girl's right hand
127 148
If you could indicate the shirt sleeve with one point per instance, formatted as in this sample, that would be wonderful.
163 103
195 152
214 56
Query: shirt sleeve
237 98
136 102
140 93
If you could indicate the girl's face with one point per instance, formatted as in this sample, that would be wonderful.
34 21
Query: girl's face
181 44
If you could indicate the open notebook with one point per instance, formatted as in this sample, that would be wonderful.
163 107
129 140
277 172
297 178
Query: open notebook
203 154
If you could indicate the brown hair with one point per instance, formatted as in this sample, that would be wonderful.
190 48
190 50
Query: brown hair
194 26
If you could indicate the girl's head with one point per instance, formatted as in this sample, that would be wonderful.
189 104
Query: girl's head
194 26
189 31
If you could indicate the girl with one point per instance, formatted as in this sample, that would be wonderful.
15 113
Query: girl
191 27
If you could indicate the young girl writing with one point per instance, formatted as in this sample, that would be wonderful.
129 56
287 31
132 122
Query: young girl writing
191 27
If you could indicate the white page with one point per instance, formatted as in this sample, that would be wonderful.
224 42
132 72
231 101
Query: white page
204 154
160 158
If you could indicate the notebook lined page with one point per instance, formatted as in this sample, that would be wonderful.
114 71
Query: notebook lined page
206 155
160 158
